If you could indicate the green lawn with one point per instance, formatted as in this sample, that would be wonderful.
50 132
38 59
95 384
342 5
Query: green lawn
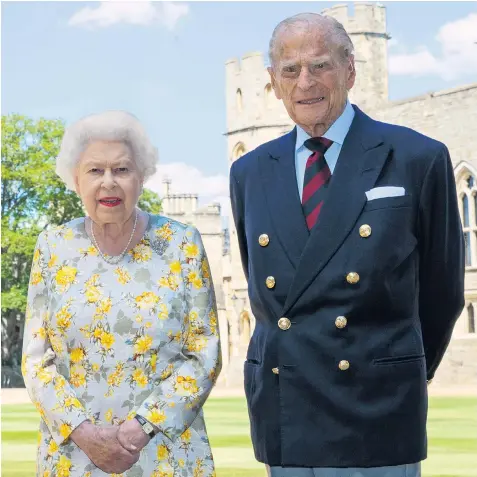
452 438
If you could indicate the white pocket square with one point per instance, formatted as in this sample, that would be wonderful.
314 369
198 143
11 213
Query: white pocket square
386 191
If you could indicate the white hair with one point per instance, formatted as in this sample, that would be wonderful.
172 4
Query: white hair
107 126
333 29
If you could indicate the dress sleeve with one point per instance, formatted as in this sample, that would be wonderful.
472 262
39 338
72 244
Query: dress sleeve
49 391
177 400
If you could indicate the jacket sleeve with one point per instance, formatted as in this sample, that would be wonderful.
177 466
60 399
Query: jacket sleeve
178 398
238 213
442 268
49 391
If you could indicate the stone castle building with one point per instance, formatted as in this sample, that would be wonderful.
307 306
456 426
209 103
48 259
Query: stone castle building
255 116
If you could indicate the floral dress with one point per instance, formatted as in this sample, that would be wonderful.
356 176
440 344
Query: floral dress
103 342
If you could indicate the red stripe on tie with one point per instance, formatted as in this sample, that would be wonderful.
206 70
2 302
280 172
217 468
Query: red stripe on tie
313 216
315 184
311 160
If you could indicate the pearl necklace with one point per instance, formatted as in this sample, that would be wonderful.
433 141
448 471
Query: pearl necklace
114 259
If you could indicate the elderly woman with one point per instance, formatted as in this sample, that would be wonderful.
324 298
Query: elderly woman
121 344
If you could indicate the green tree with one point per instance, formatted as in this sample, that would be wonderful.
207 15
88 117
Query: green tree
33 197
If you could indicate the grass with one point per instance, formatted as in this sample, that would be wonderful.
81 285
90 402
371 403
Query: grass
452 438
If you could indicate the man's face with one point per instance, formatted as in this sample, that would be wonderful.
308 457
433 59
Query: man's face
311 78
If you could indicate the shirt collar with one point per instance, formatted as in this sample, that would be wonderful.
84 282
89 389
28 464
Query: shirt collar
336 132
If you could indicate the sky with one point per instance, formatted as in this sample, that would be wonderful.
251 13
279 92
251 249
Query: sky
165 63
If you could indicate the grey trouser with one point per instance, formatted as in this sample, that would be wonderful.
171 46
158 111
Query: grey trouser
406 470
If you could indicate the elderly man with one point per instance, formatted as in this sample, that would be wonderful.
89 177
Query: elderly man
352 246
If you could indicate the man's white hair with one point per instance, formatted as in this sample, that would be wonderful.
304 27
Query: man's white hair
107 126
333 29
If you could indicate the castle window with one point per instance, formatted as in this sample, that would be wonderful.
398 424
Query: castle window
238 151
471 318
239 101
468 206
465 210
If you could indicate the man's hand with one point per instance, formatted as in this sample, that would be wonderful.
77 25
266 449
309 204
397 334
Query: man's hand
131 436
101 445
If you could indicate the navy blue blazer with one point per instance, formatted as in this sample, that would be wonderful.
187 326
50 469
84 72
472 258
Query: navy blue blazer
348 393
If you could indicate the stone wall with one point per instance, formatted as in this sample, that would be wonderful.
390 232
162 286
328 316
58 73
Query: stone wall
459 365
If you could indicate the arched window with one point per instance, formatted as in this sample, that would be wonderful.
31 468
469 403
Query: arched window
465 210
468 207
238 151
268 96
239 100
471 318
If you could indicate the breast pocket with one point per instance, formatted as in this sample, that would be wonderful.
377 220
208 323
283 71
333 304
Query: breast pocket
384 234
389 202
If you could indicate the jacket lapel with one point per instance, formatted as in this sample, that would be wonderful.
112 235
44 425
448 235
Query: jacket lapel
361 160
278 174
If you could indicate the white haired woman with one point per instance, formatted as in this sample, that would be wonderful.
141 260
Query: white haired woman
121 344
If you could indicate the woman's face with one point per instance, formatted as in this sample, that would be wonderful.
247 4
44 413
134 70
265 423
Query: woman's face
108 182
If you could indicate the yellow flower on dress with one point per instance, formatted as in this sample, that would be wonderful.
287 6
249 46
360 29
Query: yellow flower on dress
181 462
143 344
77 355
60 383
46 473
68 235
52 261
205 268
72 402
36 256
52 447
117 376
175 267
139 377
165 232
141 252
191 250
196 342
63 467
186 385
36 278
162 452
93 294
153 362
65 430
108 416
103 308
186 435
77 376
56 343
156 416
95 367
63 319
198 469
147 300
163 312
44 376
107 340
123 275
93 281
213 322
40 333
173 282
65 276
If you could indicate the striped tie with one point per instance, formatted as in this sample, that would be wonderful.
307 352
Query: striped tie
317 174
